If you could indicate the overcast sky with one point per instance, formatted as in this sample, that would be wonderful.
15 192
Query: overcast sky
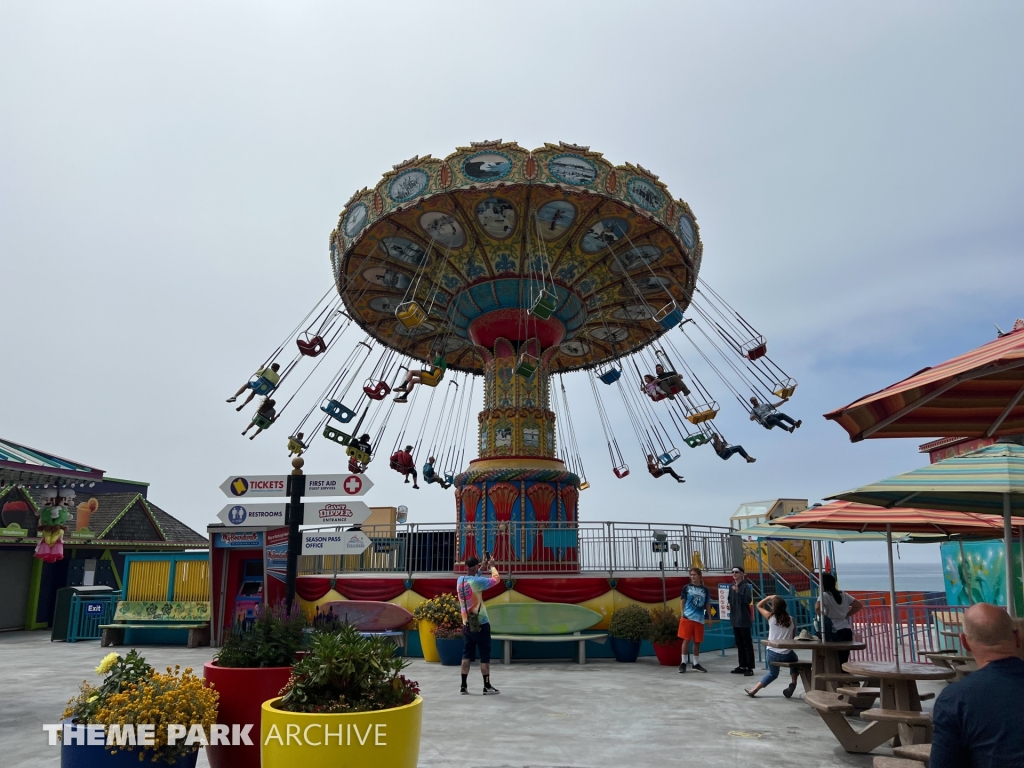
170 173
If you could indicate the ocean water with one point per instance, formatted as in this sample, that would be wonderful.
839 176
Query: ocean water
910 577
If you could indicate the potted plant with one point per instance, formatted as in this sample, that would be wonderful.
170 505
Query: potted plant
664 636
448 638
134 694
627 629
346 703
428 614
252 666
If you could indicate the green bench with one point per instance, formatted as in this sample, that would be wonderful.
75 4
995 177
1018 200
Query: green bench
543 623
193 616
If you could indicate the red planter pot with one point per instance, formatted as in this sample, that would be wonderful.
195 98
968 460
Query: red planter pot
242 693
669 655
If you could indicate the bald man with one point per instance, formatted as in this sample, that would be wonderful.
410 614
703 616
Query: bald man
979 721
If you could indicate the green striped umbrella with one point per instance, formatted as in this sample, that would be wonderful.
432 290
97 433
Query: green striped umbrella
988 481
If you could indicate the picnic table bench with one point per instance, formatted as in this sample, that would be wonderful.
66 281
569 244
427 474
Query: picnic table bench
543 623
193 616
803 668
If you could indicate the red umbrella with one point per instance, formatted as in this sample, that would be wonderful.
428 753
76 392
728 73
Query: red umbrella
978 394
851 516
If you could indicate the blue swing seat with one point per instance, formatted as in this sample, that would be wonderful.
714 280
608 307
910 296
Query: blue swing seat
669 456
669 316
336 410
610 375
261 385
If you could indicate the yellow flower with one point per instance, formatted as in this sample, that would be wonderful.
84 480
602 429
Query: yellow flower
108 663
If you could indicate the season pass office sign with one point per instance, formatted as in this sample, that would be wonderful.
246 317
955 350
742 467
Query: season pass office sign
334 543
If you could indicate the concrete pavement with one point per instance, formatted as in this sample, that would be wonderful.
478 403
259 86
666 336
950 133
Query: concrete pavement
549 714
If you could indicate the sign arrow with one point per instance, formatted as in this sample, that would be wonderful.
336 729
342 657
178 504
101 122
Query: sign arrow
334 543
337 485
343 512
250 486
245 515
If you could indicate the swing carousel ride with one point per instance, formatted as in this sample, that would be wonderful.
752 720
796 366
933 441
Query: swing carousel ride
519 267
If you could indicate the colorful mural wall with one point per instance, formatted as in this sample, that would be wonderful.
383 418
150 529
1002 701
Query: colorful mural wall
975 572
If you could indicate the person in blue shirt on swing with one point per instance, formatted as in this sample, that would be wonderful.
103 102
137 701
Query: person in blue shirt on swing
430 476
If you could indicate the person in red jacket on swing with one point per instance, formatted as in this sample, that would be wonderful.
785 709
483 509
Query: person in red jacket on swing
402 461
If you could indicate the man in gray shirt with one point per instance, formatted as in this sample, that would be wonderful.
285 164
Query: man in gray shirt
741 594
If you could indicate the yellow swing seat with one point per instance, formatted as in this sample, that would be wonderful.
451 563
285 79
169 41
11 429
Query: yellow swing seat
785 389
410 314
361 456
701 413
432 377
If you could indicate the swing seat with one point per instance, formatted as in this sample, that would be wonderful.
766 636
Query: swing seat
336 410
527 365
261 385
695 441
296 446
669 456
361 456
702 413
584 485
755 348
785 389
610 375
410 314
432 377
669 316
311 346
335 434
449 478
621 472
376 391
657 396
544 306
262 421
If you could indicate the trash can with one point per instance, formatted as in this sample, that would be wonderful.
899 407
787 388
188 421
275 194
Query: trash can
92 605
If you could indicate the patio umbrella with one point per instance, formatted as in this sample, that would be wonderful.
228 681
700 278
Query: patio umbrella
978 394
988 481
865 518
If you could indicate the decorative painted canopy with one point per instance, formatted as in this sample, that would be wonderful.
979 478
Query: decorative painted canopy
476 238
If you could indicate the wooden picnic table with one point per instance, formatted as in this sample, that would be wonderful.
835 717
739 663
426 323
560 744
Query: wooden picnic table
826 674
900 701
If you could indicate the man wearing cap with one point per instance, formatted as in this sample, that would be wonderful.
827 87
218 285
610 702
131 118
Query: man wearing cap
402 462
741 595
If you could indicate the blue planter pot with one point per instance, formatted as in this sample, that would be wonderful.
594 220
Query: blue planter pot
625 650
85 756
450 651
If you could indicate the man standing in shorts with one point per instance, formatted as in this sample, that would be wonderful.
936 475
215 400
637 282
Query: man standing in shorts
696 606
476 627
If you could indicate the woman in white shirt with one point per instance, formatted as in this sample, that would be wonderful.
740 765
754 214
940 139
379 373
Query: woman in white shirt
781 626
837 607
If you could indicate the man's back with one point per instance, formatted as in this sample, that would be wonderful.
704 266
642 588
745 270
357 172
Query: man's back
979 721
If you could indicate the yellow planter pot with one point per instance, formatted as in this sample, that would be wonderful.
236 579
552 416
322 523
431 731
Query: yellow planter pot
427 640
390 737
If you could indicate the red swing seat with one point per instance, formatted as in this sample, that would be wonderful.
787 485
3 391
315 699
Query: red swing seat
376 391
621 472
311 346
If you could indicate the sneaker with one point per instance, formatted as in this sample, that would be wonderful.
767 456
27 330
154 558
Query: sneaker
230 400
798 423
738 671
748 672
682 668
490 690
686 390
789 690
698 668
464 691
751 460
402 399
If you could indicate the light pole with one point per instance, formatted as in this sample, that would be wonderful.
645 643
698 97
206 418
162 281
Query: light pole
661 547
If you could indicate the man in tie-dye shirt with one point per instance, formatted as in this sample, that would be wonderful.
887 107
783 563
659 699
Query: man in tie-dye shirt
476 627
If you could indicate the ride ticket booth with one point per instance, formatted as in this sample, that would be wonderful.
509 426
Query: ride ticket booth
247 570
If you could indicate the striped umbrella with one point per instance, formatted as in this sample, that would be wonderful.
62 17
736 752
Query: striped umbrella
865 518
978 394
988 481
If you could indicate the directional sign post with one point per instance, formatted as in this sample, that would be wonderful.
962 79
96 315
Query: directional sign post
341 512
253 514
334 542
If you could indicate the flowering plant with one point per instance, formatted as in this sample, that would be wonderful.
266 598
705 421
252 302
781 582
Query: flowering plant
345 672
133 693
439 610
448 630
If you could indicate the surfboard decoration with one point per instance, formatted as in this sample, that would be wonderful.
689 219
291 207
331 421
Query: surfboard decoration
367 615
540 618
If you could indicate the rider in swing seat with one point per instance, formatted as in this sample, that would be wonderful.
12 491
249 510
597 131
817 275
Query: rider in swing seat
412 378
362 443
767 416
355 466
266 410
402 462
270 373
651 388
430 476
670 382
726 451
655 468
